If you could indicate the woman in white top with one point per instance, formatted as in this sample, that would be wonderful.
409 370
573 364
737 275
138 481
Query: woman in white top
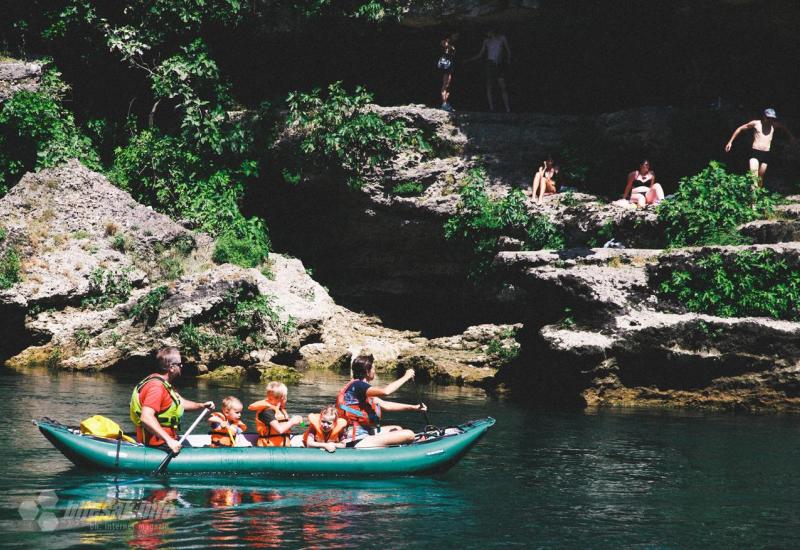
642 187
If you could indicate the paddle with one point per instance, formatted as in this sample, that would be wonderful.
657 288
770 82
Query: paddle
419 400
171 455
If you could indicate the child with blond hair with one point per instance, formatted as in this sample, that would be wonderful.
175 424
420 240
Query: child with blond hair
273 423
325 430
226 424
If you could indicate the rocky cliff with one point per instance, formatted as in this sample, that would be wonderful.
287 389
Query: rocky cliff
103 281
376 249
595 331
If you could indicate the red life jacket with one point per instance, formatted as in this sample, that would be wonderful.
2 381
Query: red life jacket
368 416
266 437
315 428
224 435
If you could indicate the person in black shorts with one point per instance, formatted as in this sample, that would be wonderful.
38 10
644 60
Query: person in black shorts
496 48
446 65
761 151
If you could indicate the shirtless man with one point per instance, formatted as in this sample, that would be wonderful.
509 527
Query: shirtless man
763 132
493 46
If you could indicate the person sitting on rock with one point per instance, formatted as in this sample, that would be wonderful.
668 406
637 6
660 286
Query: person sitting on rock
642 188
544 181
361 405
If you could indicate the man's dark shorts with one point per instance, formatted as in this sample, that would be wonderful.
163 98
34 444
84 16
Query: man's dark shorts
763 157
494 71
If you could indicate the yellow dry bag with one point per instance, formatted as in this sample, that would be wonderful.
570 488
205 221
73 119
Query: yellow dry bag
103 427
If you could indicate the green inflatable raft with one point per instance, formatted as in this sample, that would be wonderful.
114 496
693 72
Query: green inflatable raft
433 452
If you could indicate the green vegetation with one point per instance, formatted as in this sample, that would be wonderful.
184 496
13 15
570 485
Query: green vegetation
604 234
146 309
499 350
107 288
236 248
744 284
36 132
408 189
9 264
170 257
567 321
237 327
9 268
709 206
568 199
82 338
481 220
339 130
121 243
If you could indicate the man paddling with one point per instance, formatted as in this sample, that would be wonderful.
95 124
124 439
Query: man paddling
156 408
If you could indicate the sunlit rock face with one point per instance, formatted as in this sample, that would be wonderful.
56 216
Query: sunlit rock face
597 328
18 75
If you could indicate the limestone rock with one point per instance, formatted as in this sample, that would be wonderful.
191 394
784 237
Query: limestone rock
18 75
107 281
620 345
225 374
267 372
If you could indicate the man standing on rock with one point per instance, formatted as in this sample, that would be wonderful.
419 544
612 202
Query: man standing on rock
763 132
493 46
156 408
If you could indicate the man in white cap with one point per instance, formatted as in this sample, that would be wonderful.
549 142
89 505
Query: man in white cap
763 132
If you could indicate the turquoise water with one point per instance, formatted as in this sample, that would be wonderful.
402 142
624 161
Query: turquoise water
538 479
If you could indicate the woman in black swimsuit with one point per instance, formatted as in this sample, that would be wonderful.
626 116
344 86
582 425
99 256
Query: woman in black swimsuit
446 65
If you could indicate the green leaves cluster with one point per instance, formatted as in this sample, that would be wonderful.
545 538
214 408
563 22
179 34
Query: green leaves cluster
36 132
237 327
408 189
751 283
709 206
197 170
108 288
481 220
9 263
176 179
337 129
146 309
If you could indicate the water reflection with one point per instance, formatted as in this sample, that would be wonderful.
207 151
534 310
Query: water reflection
306 513
539 478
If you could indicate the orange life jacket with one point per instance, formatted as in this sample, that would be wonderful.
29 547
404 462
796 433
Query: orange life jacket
265 436
315 428
355 414
224 434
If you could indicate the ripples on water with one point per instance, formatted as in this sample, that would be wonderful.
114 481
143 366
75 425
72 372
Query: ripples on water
538 479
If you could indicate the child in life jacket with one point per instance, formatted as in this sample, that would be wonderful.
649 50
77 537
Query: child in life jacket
325 430
273 423
226 424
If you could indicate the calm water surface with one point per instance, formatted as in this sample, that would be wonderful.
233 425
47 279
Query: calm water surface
538 479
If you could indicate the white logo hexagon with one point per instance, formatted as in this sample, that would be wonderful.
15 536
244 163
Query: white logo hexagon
47 521
28 510
47 499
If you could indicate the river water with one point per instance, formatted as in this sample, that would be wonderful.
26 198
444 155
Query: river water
538 479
